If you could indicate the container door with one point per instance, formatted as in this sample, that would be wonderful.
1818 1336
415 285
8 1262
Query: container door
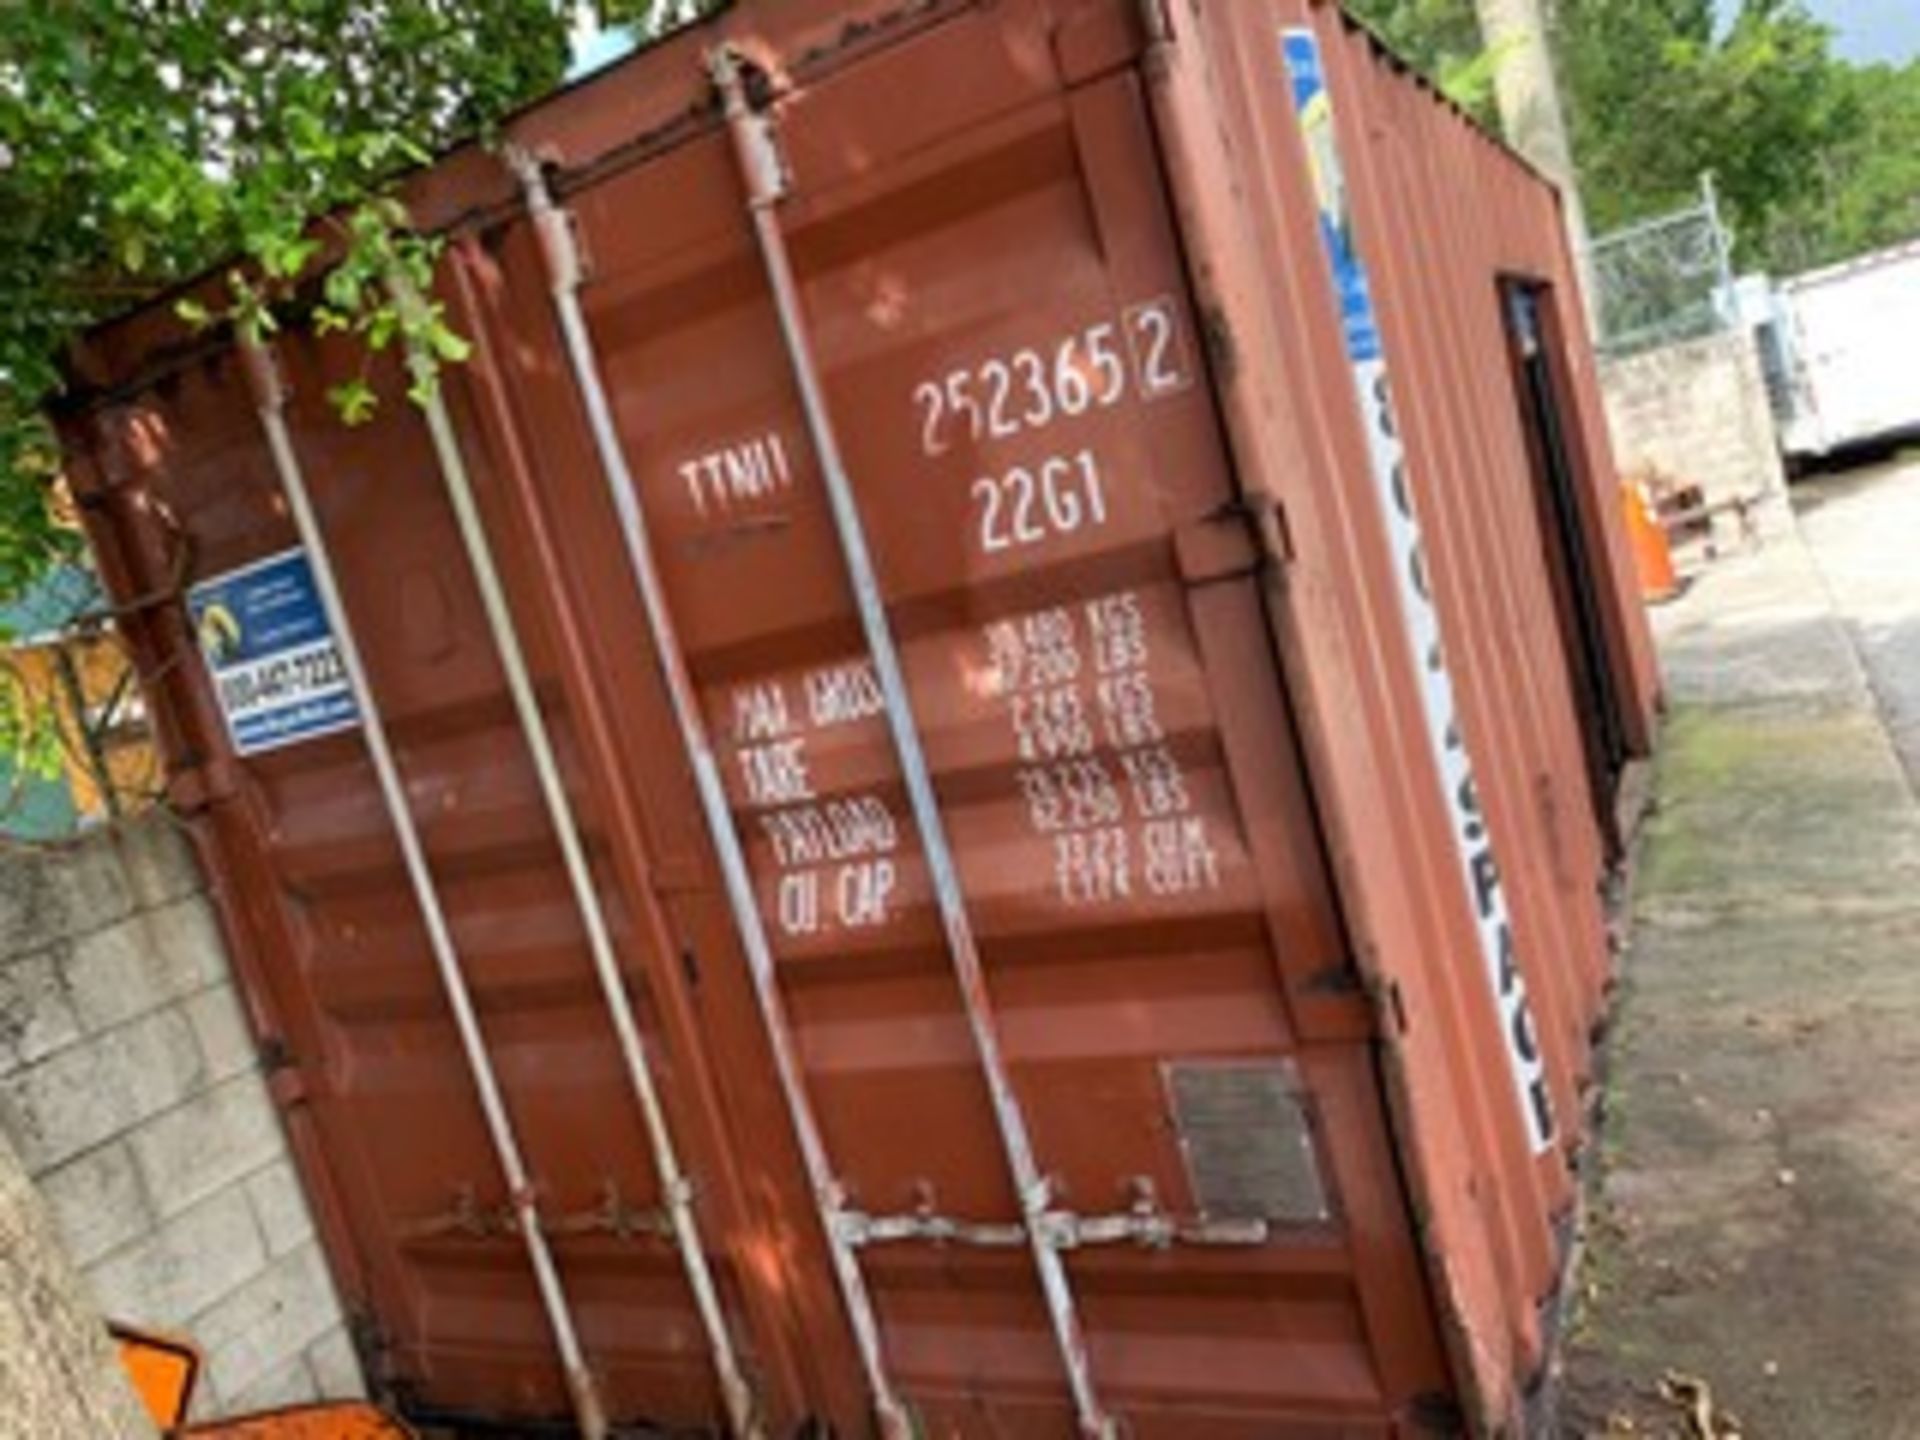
362 1053
1542 390
993 286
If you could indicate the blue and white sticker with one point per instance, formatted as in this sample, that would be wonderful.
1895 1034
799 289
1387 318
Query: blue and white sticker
1366 358
271 653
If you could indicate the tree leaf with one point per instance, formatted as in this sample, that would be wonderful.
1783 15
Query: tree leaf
449 346
354 401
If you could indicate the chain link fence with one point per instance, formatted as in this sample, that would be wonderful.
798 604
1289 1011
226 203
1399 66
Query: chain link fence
1665 280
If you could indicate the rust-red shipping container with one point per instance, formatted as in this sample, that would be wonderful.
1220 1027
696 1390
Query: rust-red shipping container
960 784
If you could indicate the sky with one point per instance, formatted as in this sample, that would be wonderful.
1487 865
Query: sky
1866 29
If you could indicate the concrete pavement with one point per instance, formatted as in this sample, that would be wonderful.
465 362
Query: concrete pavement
1864 531
1756 1221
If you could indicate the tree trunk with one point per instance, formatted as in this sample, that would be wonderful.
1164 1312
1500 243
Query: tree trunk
1531 111
59 1376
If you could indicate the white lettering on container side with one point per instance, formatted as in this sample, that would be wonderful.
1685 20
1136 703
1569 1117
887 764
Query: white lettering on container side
833 830
775 774
1027 504
1034 387
1367 362
843 694
834 854
737 474
1022 500
1161 365
760 713
1097 778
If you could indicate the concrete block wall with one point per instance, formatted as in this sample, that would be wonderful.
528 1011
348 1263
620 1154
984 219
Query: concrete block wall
130 1088
1697 411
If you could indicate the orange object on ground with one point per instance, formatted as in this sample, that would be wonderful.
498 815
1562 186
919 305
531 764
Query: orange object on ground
165 1368
1652 556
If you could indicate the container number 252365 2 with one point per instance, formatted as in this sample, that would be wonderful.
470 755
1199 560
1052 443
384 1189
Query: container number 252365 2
1027 391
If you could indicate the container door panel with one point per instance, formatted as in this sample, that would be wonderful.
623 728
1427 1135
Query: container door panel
365 1055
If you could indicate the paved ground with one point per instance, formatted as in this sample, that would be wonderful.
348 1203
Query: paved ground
1757 1221
1864 531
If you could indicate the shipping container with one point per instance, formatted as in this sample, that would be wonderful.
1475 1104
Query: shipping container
960 784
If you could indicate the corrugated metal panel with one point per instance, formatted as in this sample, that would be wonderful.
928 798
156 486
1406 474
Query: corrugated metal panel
1173 732
1439 215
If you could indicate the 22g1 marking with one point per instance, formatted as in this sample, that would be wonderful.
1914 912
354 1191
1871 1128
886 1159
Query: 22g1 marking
1031 503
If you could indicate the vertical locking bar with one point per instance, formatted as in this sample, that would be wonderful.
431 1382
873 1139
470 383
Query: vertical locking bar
757 152
270 404
561 254
676 1188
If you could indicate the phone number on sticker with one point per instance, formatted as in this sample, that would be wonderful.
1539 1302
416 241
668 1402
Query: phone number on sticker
277 681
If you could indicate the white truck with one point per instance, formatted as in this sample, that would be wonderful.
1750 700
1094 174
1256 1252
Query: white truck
1852 342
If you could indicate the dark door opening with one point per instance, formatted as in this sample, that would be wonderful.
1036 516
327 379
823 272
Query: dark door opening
1564 538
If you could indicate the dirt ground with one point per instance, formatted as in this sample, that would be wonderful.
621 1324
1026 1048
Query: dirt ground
1755 1222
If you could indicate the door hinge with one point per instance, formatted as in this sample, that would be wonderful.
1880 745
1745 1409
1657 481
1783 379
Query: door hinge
1245 535
286 1082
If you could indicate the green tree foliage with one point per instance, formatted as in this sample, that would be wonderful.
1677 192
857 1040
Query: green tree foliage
1865 191
1659 96
142 141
